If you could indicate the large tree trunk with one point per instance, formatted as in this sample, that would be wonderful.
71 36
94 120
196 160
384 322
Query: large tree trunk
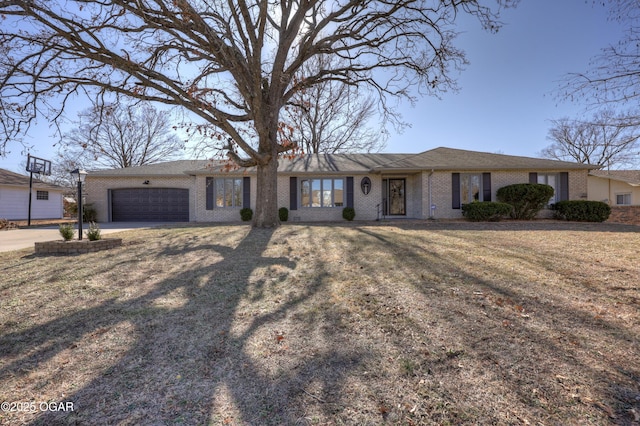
266 209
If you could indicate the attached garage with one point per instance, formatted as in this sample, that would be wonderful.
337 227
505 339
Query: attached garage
149 205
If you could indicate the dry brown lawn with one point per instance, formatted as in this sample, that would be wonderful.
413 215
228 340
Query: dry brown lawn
362 324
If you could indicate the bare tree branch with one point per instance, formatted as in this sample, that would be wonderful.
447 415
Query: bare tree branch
230 63
332 117
614 75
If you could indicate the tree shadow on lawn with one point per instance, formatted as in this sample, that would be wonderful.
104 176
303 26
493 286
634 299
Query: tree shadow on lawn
192 363
511 340
427 340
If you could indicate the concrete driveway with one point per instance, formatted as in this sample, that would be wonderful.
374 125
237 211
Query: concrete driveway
16 239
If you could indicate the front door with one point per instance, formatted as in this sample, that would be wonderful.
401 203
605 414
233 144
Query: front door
395 197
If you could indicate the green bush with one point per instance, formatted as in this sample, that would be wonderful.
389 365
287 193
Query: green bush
93 233
89 213
348 213
582 210
246 214
486 211
66 230
527 199
283 214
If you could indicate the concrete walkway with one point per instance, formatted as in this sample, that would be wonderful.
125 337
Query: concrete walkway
17 239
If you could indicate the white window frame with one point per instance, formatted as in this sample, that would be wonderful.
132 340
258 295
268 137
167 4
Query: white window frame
42 195
543 178
326 188
467 193
227 193
624 195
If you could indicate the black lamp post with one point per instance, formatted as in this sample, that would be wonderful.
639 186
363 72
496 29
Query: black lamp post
79 175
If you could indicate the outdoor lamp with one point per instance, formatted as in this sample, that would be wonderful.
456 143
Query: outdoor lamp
79 176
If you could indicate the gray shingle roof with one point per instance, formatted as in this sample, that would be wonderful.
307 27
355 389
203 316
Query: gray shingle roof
459 159
169 168
435 159
336 163
15 179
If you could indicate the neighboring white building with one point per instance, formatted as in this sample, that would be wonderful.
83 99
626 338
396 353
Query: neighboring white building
615 187
620 189
46 201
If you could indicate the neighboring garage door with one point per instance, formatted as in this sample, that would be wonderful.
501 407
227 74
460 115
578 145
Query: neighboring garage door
150 205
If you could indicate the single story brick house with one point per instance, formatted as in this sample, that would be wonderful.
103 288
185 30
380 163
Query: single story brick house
316 187
46 198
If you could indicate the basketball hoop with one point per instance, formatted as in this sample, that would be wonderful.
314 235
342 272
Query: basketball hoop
39 166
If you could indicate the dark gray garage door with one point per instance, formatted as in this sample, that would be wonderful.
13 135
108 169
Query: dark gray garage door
150 204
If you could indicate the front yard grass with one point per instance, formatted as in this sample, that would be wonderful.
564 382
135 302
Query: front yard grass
357 324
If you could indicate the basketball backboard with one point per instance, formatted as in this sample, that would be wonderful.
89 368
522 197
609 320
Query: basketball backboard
38 165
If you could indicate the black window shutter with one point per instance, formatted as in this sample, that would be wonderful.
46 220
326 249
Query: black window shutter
564 187
293 193
455 190
486 187
246 192
209 192
533 177
350 191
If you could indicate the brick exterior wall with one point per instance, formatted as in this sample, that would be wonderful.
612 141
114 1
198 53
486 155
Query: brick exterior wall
364 205
217 214
441 187
418 203
625 214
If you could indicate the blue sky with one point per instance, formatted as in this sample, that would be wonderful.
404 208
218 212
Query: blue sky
508 92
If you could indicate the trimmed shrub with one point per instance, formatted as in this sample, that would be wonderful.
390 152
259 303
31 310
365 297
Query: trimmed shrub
527 199
66 230
348 213
486 211
89 213
283 214
246 214
582 210
93 234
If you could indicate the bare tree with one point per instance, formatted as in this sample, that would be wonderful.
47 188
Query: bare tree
614 75
608 139
61 167
332 117
121 135
230 63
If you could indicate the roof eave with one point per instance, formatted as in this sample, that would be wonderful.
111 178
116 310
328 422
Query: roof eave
471 168
136 175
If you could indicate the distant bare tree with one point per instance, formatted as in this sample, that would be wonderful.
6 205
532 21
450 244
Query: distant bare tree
332 117
232 64
608 139
61 167
60 173
121 135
